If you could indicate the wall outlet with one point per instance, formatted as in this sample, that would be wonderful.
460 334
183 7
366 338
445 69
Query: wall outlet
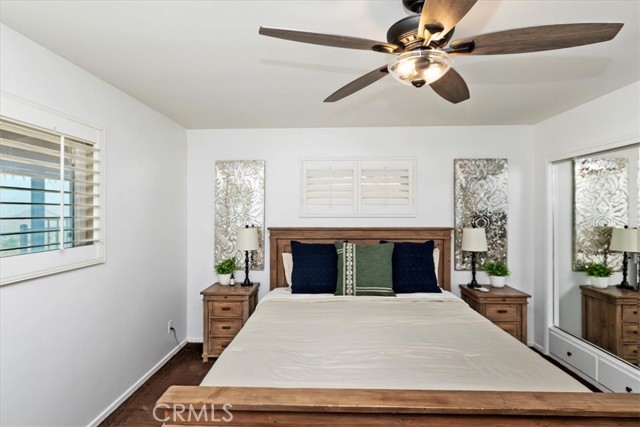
169 326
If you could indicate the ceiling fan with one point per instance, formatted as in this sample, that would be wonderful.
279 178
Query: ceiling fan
422 46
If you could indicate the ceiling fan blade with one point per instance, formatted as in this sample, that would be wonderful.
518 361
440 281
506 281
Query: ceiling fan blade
359 83
447 13
451 87
329 40
535 39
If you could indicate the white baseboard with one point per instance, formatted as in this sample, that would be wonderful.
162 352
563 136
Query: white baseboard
104 414
195 339
539 348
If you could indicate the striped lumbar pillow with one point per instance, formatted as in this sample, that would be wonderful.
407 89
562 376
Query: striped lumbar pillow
365 269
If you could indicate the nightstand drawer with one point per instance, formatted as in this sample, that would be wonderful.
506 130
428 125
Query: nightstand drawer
502 312
629 313
227 327
225 309
474 305
506 307
630 352
630 332
512 328
217 345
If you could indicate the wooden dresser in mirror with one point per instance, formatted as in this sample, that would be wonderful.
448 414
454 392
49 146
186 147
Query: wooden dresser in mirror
610 320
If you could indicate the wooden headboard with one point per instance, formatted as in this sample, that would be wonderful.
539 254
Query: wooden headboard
280 241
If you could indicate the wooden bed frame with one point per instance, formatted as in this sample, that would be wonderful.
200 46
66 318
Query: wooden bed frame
248 406
280 242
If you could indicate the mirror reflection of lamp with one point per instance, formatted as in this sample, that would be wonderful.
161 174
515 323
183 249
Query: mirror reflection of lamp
624 240
474 240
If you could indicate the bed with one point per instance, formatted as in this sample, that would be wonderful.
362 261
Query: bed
413 360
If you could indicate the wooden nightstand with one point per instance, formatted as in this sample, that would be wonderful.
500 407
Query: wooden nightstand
226 310
505 307
610 320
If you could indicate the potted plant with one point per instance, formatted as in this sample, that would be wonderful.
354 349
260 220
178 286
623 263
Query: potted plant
224 269
498 272
599 274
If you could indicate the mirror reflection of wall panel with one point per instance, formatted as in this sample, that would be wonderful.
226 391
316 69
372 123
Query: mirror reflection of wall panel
480 193
601 201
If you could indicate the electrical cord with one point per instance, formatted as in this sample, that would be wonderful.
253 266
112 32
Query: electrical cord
174 335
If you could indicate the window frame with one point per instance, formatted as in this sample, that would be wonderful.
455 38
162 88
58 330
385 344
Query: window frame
359 207
26 266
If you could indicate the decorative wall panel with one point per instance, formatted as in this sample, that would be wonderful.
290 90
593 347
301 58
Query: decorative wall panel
601 201
239 195
481 200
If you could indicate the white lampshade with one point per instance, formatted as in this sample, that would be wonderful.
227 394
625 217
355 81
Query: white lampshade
624 240
474 240
247 239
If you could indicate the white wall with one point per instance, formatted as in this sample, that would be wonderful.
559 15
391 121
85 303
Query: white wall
72 343
606 122
435 148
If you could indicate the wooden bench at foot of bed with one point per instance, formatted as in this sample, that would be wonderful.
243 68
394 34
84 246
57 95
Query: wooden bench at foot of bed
249 406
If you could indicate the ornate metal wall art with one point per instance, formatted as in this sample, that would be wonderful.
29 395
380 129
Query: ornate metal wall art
481 200
239 192
601 201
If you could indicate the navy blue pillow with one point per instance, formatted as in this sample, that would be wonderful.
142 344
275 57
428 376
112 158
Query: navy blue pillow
413 268
315 268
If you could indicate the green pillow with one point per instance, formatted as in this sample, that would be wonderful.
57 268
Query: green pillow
365 270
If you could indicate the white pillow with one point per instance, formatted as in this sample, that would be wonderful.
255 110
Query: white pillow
287 261
436 260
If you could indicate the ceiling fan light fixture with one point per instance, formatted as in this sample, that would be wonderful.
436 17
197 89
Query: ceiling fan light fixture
419 67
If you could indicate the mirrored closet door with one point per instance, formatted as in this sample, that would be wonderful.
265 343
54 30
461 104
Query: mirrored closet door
595 220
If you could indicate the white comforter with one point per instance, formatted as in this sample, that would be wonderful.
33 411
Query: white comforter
432 342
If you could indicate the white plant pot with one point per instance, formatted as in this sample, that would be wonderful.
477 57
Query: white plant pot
224 279
600 282
498 281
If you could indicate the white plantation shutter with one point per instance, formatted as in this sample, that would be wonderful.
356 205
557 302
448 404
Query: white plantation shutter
349 188
328 188
50 194
386 188
45 203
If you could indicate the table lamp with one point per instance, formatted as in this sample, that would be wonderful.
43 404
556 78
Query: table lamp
247 240
474 240
624 240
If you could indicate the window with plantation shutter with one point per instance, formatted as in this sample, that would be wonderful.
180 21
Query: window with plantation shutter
329 188
50 209
386 188
354 187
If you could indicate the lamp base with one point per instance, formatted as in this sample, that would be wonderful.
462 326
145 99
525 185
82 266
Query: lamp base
246 282
625 285
473 284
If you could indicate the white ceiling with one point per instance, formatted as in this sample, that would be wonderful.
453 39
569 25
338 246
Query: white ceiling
203 64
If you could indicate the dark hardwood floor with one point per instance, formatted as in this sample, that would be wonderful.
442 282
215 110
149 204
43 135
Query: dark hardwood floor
185 368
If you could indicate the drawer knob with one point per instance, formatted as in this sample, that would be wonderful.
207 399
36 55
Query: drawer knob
629 389
224 346
569 353
226 308
226 327
502 311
